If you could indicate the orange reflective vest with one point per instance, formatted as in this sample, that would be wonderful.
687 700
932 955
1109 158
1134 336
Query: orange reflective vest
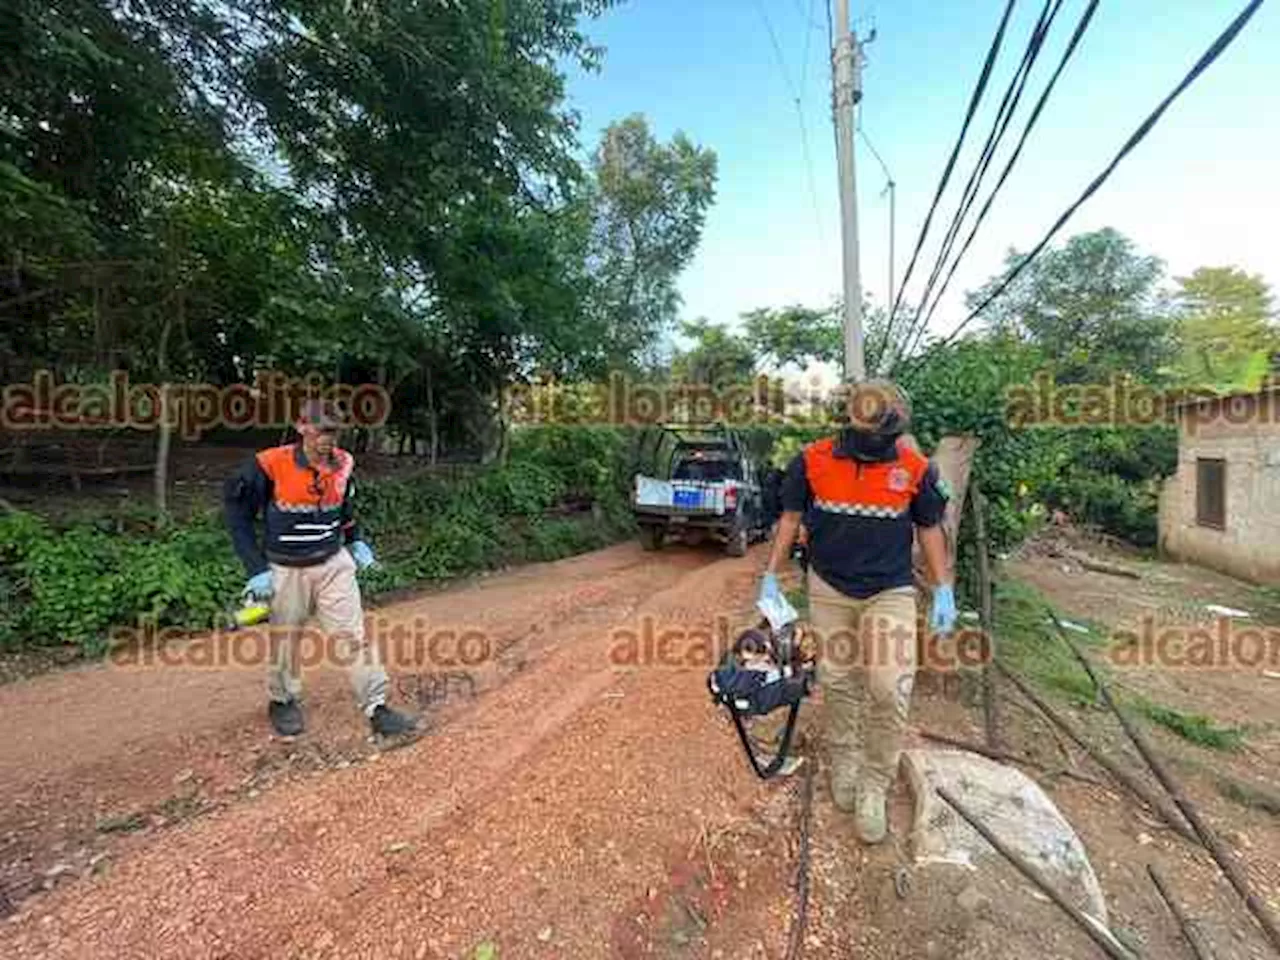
847 486
308 509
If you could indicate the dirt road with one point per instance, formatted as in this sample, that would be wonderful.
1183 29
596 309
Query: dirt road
566 801
552 814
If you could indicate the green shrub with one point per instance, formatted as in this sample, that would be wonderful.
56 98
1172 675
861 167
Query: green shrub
1194 727
75 583
1126 509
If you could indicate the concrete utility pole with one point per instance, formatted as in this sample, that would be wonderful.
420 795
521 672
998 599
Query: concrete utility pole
847 64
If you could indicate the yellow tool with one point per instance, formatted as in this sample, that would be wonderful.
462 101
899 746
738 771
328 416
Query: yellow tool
252 612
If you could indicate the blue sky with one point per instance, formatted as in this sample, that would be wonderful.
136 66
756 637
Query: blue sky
1202 189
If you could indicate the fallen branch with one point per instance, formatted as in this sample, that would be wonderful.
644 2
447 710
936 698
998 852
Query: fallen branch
801 918
1248 794
1184 922
1226 860
1008 756
1098 566
990 700
1054 732
1122 776
1099 934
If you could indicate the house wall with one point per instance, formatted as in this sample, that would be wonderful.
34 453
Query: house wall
1247 436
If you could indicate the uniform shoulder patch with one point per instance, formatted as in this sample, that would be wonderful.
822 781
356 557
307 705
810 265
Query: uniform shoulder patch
944 487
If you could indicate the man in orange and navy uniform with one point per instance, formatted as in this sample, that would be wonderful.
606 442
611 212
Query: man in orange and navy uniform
863 496
307 564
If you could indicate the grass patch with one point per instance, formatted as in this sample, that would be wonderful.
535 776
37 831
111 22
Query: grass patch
1193 727
1027 642
1247 795
1030 646
1265 604
122 823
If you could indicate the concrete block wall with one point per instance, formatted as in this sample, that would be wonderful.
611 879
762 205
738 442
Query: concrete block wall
1249 546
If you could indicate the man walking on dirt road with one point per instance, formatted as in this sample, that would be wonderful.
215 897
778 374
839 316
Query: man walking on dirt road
308 564
862 495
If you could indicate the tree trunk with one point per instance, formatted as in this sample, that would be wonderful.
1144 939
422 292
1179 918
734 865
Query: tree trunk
165 426
433 418
504 436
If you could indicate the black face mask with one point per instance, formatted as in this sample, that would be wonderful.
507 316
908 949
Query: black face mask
869 447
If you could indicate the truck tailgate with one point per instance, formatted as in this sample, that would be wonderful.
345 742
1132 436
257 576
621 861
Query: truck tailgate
681 496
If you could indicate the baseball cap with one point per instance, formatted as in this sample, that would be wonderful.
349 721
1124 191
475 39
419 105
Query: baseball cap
320 413
879 406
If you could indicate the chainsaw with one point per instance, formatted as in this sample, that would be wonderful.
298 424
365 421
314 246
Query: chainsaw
765 670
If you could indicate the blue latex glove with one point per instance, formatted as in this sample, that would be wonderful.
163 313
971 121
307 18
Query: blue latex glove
943 617
362 555
770 589
773 603
260 586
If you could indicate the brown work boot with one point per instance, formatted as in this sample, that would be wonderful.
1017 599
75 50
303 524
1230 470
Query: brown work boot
844 780
871 818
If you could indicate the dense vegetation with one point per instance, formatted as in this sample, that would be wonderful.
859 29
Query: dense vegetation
392 193
399 193
563 491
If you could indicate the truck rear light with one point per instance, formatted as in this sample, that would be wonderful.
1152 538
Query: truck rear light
731 498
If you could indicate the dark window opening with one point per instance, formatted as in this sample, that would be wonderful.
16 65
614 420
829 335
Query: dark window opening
707 470
1211 493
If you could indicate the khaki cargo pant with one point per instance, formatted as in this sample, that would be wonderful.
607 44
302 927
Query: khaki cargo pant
329 592
866 669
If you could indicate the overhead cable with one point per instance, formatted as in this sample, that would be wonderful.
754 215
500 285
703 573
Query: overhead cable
1004 116
1215 50
974 99
1085 19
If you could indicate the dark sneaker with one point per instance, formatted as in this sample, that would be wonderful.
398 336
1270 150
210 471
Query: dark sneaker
286 718
387 723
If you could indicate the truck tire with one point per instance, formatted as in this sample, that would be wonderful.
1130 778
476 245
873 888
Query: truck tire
651 537
736 545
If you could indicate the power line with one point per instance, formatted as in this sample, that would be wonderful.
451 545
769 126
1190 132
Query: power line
831 33
807 16
808 37
777 49
1004 116
974 100
1085 19
1224 40
889 188
831 45
804 129
879 159
804 126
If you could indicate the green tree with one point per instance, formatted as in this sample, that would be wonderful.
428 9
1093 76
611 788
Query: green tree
795 334
1225 328
1090 306
718 357
650 202
802 335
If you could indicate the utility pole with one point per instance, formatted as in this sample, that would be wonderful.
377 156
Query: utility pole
847 65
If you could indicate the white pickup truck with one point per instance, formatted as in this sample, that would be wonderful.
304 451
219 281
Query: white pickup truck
710 489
